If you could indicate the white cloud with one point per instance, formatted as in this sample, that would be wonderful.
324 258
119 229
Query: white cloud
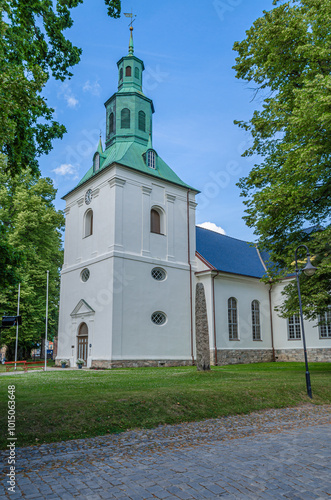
94 88
65 169
68 95
212 227
71 101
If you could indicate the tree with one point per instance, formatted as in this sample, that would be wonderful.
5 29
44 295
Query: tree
33 228
33 48
286 53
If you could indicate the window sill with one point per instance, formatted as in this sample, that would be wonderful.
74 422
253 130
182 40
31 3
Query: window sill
234 340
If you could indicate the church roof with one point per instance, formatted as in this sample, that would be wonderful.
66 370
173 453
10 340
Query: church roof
130 154
230 255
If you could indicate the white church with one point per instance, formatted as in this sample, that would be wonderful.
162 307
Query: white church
133 256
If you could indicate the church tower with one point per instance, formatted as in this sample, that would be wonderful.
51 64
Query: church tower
129 255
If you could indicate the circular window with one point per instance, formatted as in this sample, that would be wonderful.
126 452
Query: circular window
85 274
159 318
159 274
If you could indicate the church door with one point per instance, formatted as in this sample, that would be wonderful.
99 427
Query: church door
82 342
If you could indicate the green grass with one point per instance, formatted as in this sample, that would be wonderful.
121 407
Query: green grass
62 404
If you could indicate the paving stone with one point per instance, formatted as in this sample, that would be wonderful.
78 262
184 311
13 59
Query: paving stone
274 454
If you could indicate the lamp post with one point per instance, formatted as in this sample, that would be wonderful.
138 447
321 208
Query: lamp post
309 270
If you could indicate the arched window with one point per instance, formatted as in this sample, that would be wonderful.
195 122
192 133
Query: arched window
125 118
232 319
121 74
142 121
111 123
136 72
88 223
128 71
96 162
82 342
294 331
256 327
325 324
155 221
83 330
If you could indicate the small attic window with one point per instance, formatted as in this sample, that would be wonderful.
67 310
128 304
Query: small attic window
96 162
150 158
128 71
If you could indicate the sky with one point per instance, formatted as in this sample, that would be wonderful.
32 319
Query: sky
187 51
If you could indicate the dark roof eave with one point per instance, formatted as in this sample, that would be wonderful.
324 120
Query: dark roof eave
240 274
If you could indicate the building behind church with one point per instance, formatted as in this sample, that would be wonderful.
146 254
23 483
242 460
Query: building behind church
133 255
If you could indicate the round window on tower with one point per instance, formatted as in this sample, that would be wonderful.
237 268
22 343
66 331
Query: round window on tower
85 274
159 318
158 274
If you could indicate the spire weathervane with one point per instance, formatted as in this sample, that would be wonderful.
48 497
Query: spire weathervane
133 18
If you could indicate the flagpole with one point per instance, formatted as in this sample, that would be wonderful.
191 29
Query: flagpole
46 322
18 312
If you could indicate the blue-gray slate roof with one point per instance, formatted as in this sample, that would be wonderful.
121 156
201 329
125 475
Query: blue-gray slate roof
229 254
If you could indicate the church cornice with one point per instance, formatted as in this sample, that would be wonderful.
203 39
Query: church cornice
131 58
130 93
114 164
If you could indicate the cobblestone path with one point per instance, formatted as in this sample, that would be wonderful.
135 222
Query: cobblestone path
273 454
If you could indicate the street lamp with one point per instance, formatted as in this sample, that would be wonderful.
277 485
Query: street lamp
309 270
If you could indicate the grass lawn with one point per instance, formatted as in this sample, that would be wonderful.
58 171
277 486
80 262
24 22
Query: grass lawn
60 405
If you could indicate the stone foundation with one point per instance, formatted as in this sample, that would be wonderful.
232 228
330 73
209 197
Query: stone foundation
136 363
243 356
314 355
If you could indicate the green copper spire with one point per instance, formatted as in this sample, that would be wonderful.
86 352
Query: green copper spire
100 150
128 140
131 42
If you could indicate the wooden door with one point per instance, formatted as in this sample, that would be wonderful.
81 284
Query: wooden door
82 342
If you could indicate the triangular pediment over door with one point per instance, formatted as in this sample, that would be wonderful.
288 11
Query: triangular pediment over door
82 308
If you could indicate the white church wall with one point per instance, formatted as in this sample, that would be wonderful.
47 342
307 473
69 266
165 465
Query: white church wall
141 194
292 349
244 290
79 248
120 254
97 292
245 349
138 338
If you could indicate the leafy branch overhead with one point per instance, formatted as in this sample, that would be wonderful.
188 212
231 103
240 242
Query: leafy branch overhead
286 54
33 48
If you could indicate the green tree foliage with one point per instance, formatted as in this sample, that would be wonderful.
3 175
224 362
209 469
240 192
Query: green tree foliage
286 54
32 228
33 48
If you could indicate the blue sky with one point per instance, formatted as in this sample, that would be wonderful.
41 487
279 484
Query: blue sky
187 50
